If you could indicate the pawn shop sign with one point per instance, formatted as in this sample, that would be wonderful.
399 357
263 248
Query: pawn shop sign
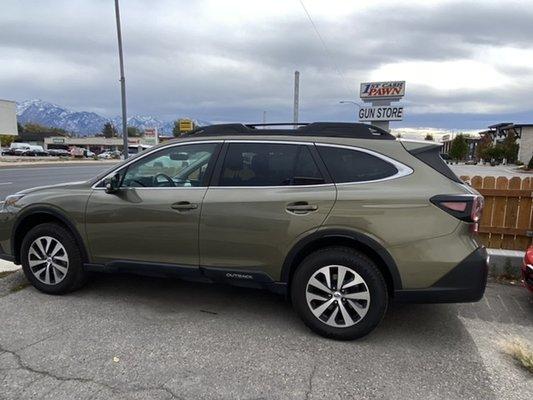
382 90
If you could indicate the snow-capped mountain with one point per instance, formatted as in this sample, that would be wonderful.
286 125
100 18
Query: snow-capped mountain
142 122
49 114
83 122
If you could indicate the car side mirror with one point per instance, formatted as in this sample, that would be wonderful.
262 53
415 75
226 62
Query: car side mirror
112 183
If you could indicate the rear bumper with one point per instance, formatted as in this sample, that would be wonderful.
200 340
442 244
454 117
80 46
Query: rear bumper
465 283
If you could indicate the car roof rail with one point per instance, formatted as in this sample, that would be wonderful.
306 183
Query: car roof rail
326 129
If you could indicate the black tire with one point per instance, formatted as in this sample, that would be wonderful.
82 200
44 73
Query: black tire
355 261
75 276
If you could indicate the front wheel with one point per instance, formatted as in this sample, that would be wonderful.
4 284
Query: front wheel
51 259
339 293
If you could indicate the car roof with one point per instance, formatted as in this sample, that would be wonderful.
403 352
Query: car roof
322 129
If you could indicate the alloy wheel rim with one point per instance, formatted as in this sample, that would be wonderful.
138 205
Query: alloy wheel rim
337 296
48 260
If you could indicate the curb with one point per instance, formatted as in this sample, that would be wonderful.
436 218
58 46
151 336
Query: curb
505 263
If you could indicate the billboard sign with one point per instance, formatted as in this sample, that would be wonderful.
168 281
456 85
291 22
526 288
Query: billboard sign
381 113
186 125
150 136
382 90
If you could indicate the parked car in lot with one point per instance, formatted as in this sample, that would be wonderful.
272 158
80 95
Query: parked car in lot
527 269
109 155
59 152
339 217
21 151
17 148
36 151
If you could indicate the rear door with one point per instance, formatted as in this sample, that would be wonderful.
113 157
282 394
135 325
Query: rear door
264 198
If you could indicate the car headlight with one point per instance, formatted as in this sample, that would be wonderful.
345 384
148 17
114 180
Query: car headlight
12 200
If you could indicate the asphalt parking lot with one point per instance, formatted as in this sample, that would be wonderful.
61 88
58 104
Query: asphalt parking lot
129 337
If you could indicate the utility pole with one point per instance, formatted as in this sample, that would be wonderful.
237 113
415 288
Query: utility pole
296 98
122 84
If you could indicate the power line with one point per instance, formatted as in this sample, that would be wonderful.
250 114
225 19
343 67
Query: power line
328 53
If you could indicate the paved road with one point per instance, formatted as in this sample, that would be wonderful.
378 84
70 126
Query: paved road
13 179
487 170
180 340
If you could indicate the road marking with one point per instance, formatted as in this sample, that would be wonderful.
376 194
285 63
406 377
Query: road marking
6 183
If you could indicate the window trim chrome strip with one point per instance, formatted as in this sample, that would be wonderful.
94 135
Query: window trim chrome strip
403 170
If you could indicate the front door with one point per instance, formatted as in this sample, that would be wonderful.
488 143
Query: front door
267 197
154 215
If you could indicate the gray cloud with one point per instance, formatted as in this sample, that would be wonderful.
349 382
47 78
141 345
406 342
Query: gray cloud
65 52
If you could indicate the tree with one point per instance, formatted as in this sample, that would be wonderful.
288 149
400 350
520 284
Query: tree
459 148
530 163
483 147
510 147
134 131
20 128
6 140
39 129
496 153
429 136
109 130
176 129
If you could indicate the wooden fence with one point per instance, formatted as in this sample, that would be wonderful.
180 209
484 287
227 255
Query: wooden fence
507 217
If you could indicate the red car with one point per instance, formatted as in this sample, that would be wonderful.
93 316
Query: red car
527 268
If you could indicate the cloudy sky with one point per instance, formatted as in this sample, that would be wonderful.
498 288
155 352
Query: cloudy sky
467 63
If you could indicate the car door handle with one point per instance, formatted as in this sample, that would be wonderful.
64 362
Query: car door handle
301 207
184 206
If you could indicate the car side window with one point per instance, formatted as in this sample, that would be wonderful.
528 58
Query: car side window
269 164
177 166
346 165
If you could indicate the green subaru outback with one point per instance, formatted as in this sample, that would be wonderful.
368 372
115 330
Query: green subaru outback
341 218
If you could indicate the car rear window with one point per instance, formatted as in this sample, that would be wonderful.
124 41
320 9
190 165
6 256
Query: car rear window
346 165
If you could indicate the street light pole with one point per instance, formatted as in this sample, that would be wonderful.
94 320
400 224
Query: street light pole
350 102
122 84
296 98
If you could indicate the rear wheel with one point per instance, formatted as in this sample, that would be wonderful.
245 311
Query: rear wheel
339 293
51 259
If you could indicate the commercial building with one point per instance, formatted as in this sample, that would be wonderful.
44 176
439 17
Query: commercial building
522 132
8 117
99 144
95 144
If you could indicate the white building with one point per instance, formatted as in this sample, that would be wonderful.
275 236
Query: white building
523 133
8 117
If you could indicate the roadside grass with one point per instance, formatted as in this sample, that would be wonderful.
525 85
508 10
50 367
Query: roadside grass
3 274
520 351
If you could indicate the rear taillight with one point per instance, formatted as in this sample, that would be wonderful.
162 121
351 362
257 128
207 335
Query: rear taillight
467 208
